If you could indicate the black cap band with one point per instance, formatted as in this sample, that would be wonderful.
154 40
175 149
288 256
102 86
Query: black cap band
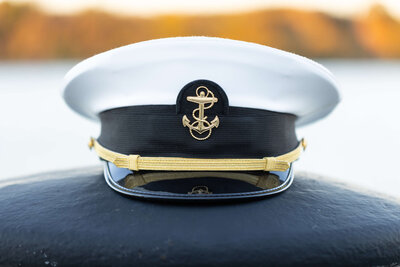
157 131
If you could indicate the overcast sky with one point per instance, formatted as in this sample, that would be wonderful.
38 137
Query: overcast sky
155 7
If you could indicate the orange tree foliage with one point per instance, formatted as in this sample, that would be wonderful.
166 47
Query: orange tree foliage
28 33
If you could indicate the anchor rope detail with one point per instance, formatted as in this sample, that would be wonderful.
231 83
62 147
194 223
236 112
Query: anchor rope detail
205 99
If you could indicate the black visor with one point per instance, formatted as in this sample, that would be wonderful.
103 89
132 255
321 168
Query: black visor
196 185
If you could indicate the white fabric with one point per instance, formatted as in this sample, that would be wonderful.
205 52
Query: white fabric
153 72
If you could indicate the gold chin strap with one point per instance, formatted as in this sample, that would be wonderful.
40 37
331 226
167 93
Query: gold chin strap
136 162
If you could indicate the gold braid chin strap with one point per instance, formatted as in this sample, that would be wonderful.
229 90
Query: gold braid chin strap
136 162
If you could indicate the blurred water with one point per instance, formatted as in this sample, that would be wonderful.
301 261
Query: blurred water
357 143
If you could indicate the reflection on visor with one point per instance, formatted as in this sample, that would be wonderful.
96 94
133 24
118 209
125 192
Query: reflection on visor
196 184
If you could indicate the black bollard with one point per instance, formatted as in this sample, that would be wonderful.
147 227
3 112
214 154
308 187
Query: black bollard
73 218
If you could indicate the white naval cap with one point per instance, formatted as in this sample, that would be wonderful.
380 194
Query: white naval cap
153 72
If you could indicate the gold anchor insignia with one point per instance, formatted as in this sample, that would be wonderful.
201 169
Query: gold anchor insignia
203 97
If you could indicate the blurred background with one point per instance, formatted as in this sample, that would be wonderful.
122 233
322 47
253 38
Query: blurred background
359 41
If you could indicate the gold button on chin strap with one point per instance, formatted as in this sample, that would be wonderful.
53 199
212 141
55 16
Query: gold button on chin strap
136 162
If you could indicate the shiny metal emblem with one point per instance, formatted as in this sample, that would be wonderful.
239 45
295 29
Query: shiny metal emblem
201 129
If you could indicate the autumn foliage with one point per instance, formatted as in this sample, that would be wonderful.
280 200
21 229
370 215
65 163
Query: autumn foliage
26 32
